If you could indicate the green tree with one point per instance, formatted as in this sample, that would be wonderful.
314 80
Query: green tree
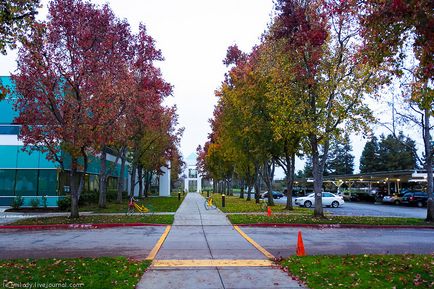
369 158
396 153
341 161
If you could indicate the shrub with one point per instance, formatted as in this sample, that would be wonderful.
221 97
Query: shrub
44 201
64 204
17 202
88 198
34 202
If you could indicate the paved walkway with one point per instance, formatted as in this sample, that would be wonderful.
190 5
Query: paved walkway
203 250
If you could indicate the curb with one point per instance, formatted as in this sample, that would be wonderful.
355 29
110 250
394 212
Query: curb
76 226
336 226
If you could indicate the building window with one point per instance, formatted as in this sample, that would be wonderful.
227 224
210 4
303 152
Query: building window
9 129
47 183
192 173
7 182
26 183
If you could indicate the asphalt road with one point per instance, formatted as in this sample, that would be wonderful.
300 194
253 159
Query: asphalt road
134 242
282 241
371 209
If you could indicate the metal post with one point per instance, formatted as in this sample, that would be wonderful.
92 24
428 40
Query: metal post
207 193
223 201
179 196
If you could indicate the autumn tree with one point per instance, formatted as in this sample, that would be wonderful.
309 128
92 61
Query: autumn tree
16 17
330 76
71 81
399 33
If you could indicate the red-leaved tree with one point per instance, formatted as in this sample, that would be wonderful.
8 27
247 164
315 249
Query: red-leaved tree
72 84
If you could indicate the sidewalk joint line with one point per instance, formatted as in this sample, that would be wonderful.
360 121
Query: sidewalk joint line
158 245
256 245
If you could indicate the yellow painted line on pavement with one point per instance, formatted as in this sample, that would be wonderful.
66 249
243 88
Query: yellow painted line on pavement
212 263
157 246
256 245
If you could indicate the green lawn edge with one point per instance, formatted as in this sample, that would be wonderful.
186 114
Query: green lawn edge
362 271
234 204
98 219
103 272
309 219
155 204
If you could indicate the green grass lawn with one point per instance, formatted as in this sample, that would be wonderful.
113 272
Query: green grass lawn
363 271
308 219
155 204
107 219
236 205
104 272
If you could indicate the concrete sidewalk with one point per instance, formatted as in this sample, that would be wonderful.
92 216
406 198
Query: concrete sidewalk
222 258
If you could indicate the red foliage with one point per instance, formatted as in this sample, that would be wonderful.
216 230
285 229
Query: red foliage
386 24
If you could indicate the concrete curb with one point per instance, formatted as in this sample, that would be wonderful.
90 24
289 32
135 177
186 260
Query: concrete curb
336 226
76 226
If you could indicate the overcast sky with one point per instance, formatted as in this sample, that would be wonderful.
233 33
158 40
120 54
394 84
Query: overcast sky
193 36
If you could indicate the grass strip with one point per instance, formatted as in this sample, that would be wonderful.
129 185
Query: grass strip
363 271
155 204
309 219
235 204
151 219
104 272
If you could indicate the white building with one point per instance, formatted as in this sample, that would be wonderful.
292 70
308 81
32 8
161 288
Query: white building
192 181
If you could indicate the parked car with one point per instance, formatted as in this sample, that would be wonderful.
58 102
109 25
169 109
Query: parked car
276 195
415 198
328 199
393 199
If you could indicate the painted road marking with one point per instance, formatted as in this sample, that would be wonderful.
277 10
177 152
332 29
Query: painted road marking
212 263
157 246
256 245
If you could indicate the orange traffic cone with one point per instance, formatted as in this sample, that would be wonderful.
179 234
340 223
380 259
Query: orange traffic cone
268 211
300 246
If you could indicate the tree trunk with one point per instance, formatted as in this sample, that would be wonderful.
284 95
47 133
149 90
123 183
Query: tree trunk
242 189
317 185
102 181
74 186
256 184
81 185
133 179
268 175
318 171
428 165
140 179
121 175
290 161
214 186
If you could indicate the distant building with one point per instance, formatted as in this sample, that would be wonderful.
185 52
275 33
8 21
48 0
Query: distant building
193 180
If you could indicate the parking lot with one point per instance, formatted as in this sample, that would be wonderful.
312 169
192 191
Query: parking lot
371 209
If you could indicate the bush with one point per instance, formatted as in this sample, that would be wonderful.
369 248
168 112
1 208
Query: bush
34 202
88 198
64 204
44 201
17 202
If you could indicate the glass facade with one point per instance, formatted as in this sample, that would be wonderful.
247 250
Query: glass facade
22 182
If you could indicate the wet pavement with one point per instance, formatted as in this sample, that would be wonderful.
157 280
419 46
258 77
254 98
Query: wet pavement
135 242
282 241
374 210
206 236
